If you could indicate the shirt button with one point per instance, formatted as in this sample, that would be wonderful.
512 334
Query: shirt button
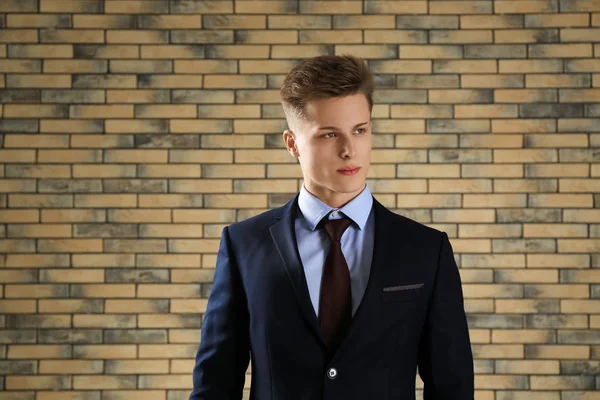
332 373
335 213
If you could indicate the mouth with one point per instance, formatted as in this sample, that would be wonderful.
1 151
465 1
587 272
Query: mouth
352 170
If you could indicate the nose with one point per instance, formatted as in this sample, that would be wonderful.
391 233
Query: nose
348 148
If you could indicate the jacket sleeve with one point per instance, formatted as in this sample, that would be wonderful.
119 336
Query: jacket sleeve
445 360
224 351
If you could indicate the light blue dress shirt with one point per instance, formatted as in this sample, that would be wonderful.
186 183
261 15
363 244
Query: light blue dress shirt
357 242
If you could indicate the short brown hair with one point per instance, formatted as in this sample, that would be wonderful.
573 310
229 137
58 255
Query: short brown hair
324 77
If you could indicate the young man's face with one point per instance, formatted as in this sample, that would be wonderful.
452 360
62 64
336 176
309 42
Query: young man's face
333 146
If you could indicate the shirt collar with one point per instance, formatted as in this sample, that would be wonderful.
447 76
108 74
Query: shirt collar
313 209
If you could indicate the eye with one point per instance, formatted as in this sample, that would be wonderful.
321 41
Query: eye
361 129
326 136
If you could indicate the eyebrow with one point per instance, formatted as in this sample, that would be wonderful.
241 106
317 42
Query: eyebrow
335 127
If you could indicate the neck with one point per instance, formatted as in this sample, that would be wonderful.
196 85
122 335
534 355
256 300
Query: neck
332 198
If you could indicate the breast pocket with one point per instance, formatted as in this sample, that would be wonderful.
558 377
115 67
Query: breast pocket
401 293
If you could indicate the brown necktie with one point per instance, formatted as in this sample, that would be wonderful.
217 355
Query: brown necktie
335 304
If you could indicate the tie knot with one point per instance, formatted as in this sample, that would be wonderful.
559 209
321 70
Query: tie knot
336 227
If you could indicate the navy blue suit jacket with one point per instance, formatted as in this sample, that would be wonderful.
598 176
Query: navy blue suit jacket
412 314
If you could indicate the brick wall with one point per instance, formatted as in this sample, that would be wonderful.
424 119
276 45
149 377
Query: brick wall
134 131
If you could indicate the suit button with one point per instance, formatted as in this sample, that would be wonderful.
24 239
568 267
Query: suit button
332 373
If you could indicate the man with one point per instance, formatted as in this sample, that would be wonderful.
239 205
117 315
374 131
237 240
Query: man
332 295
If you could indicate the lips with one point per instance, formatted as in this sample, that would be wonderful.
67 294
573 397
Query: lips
350 170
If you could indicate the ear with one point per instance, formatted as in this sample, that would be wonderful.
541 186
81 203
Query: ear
290 143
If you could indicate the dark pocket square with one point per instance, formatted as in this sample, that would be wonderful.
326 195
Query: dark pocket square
401 293
402 287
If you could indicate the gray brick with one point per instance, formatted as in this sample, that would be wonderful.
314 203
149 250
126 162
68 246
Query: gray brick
495 51
167 141
201 36
123 336
64 336
587 368
460 156
427 81
137 275
521 246
21 336
528 215
105 230
72 96
572 5
2 20
37 321
202 96
457 126
579 125
70 186
272 111
279 199
554 321
550 110
106 81
19 125
587 337
400 96
592 110
275 142
496 321
384 81
18 95
141 66
420 215
135 186
579 155
427 22
595 291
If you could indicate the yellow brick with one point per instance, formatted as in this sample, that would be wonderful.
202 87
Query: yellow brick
235 201
72 36
513 36
53 382
561 170
103 260
429 52
171 230
299 51
139 216
14 20
70 245
561 200
461 36
459 7
69 156
464 216
459 185
523 126
491 81
338 36
18 307
165 111
489 230
134 96
494 200
18 36
136 156
579 306
170 51
486 111
138 36
42 141
72 275
103 171
39 81
490 21
176 81
39 171
39 230
101 111
29 351
233 81
427 201
105 351
422 170
66 216
170 171
523 336
554 230
42 51
579 185
139 367
105 200
169 260
578 245
170 200
135 7
524 6
522 95
324 7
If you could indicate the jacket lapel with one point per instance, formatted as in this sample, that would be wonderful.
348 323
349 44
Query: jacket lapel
284 236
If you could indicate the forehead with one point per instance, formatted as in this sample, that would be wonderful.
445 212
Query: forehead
338 111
